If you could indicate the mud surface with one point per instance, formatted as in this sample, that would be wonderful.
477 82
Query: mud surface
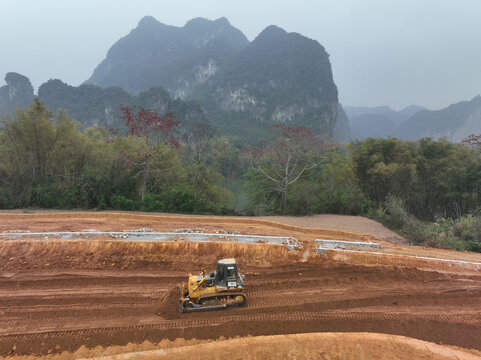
59 310
60 295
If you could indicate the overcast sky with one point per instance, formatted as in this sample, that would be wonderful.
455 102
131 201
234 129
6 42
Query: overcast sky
383 52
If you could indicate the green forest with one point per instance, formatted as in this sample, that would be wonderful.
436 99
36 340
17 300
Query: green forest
427 190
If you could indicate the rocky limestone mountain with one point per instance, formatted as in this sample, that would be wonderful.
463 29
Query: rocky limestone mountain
245 87
92 105
88 104
17 93
177 59
341 132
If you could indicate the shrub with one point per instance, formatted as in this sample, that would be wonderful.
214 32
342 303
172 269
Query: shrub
178 199
44 196
152 202
474 246
468 227
120 202
102 205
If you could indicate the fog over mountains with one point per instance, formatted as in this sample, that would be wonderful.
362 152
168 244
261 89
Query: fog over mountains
456 122
244 86
209 71
379 121
176 58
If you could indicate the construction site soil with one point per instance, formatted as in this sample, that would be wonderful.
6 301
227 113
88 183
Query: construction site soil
57 296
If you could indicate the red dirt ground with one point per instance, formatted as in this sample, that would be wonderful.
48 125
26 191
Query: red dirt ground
59 295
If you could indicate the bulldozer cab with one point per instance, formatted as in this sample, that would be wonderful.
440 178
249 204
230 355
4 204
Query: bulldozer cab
227 275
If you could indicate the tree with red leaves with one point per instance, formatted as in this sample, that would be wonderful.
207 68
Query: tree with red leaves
281 162
149 124
472 140
149 146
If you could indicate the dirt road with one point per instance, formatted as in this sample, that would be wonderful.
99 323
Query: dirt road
59 295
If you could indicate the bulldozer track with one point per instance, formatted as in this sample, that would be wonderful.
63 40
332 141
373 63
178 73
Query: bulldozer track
104 293
285 281
87 295
341 292
283 316
88 282
427 310
43 308
350 299
106 313
364 301
328 281
259 300
291 302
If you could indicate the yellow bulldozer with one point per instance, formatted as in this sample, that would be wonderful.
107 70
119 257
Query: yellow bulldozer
218 290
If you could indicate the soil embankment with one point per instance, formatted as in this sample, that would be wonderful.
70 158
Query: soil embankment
62 295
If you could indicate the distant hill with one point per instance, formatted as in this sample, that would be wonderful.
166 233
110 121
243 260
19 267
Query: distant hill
379 121
241 87
89 104
17 93
92 105
245 87
372 125
455 122
397 117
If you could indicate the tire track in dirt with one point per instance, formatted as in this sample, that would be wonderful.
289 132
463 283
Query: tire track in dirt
281 316
258 300
102 304
68 308
95 313
97 294
46 285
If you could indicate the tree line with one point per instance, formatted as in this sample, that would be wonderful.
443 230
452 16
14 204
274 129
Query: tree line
48 161
151 163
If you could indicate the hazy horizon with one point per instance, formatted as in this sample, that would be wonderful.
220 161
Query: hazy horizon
382 52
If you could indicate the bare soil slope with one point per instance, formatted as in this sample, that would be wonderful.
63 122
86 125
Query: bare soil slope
328 346
58 295
357 224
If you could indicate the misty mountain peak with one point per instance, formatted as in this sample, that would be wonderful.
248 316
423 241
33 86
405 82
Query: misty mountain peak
148 21
17 93
196 50
279 77
197 22
18 81
201 32
222 20
270 32
203 22
412 109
